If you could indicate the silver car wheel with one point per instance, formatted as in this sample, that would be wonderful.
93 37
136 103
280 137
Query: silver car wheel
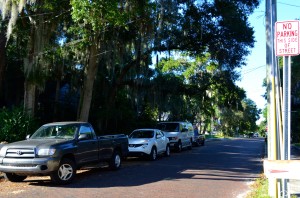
65 172
117 161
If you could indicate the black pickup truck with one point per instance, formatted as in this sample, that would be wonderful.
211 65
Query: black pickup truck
59 149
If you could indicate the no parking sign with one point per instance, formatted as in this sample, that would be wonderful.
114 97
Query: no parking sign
287 38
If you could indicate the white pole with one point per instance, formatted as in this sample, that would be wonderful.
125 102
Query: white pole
289 110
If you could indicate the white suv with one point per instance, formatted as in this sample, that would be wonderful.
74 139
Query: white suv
148 142
180 134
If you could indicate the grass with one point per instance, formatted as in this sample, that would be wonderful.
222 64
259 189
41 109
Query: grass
259 188
297 144
213 136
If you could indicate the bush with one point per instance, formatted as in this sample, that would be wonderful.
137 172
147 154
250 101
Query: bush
15 124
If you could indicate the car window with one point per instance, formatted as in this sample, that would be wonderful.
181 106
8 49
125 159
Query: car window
56 131
160 133
86 130
142 134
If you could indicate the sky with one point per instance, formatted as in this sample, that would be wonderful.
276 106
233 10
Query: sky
253 74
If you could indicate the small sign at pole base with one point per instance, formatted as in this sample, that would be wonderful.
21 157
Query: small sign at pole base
282 169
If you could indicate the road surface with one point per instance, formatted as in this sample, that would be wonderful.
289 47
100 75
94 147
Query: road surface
223 168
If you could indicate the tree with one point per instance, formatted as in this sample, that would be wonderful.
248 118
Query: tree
3 57
92 20
107 47
40 23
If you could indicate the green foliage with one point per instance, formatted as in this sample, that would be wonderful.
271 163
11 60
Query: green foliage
204 40
259 189
15 124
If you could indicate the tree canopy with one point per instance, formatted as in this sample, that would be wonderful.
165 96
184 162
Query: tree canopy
127 64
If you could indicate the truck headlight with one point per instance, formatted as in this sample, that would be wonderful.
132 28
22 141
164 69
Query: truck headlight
2 152
46 152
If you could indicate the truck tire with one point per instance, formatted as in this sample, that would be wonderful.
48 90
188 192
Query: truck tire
65 173
168 151
14 177
197 143
179 147
115 161
153 154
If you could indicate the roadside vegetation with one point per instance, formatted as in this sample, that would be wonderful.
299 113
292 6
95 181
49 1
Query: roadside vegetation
259 189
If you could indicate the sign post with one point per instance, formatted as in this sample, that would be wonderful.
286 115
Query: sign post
286 45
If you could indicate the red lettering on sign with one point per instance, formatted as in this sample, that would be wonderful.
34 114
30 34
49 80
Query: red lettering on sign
287 33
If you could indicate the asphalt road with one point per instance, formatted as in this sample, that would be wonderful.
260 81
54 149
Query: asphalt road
219 169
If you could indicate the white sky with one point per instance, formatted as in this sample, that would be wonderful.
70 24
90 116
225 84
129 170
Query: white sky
255 71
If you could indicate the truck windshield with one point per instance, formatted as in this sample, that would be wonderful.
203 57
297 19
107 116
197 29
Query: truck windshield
142 134
55 131
168 127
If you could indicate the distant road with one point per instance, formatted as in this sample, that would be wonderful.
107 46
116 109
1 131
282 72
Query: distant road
218 169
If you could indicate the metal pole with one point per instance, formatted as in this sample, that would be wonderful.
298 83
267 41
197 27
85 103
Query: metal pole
289 110
285 106
285 118
271 61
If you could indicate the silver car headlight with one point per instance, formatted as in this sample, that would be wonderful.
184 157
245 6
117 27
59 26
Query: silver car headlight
46 152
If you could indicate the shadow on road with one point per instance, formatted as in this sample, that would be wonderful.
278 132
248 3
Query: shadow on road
233 160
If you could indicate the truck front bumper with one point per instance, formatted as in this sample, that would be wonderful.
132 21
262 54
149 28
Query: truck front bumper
29 166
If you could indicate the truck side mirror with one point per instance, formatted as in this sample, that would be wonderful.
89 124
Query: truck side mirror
83 136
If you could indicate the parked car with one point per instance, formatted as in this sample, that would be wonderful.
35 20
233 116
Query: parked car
199 140
148 142
180 134
59 149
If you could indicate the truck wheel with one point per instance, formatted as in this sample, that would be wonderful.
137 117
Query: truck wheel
115 161
153 154
14 178
65 173
168 152
179 147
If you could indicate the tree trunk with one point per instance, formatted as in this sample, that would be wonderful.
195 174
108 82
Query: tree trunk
29 98
59 71
87 91
2 59
39 36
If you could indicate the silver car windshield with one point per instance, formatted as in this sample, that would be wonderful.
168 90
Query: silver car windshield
55 131
142 134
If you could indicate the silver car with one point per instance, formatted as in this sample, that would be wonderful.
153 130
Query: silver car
148 142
